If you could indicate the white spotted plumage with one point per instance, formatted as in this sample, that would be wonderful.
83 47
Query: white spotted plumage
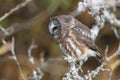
73 37
75 48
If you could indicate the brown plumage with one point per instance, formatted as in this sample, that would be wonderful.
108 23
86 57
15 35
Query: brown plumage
73 37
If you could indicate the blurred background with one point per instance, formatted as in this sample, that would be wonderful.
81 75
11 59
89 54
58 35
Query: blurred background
34 19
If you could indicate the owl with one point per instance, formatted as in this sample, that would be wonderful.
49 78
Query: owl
73 37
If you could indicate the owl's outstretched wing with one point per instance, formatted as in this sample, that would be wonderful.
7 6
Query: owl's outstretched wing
83 33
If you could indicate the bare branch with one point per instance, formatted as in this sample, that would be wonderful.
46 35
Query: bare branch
32 46
15 57
39 72
14 9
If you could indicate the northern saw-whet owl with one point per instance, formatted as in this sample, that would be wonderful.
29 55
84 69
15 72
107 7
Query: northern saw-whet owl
73 37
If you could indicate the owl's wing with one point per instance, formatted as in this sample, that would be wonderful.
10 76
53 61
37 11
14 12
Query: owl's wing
83 33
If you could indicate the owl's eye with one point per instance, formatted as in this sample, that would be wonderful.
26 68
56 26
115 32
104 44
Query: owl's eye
54 28
54 25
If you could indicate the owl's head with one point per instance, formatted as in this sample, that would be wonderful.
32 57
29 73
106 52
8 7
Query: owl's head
60 24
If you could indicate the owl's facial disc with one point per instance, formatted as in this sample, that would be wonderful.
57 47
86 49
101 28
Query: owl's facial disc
53 26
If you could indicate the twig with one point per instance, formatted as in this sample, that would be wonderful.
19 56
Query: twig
39 72
32 46
15 57
14 9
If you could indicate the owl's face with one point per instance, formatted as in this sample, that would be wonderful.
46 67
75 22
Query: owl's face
55 28
59 25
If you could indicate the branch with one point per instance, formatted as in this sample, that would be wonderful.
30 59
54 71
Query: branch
15 57
95 72
101 12
16 27
32 46
14 9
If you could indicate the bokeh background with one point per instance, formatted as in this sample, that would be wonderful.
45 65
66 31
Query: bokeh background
34 17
